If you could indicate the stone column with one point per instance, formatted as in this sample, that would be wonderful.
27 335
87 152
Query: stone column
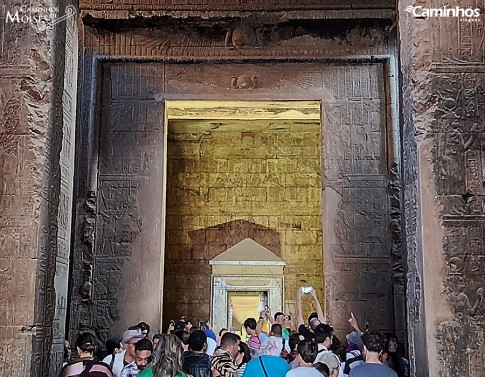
35 183
443 68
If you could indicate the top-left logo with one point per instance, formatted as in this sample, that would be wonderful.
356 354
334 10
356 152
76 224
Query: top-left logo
41 17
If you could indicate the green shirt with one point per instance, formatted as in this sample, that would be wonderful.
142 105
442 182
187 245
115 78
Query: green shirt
148 372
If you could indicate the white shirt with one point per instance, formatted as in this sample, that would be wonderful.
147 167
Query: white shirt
211 346
118 363
273 345
303 372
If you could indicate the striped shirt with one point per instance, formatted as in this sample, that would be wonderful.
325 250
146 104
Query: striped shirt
223 362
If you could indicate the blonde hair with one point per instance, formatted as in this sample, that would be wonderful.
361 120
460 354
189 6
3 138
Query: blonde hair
168 357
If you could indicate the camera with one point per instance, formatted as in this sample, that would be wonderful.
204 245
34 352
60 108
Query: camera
288 318
306 289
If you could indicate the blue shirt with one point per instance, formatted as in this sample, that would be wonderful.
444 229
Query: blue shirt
275 367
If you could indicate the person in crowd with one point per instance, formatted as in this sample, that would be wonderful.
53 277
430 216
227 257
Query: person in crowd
353 355
221 333
274 344
143 352
113 346
211 338
144 328
205 327
124 364
187 321
86 347
243 359
390 356
266 366
67 353
293 342
254 341
156 340
373 347
307 350
323 336
332 362
314 319
168 359
283 320
196 362
223 361
322 368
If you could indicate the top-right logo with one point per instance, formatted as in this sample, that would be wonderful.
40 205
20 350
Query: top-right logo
464 14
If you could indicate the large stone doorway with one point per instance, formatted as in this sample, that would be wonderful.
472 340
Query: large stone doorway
237 170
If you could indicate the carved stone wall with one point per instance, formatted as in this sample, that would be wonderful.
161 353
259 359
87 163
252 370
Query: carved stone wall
350 68
118 258
234 5
443 102
36 168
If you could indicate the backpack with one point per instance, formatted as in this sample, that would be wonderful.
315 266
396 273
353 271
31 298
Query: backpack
285 354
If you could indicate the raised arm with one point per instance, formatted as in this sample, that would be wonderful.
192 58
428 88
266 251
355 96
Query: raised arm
318 307
354 324
259 325
299 315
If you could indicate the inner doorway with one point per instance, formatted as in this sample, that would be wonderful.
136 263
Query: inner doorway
242 305
236 170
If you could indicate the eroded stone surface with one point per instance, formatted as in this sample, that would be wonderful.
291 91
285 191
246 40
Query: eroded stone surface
443 179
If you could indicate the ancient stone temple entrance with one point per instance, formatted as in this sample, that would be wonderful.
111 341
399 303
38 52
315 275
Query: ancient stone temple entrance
244 179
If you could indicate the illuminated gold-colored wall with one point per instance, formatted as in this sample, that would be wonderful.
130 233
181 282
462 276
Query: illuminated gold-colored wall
228 180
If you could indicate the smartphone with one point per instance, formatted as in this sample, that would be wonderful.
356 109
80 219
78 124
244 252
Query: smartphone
306 289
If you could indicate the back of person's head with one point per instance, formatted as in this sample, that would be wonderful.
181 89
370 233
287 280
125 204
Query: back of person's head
331 361
311 316
308 350
373 341
197 340
246 352
276 329
294 340
156 337
112 344
322 332
144 345
229 339
168 356
322 368
250 323
222 331
179 334
86 342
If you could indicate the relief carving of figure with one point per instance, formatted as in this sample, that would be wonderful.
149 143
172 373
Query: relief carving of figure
461 302
244 82
244 36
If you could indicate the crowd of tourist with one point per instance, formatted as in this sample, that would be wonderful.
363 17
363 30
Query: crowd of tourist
291 348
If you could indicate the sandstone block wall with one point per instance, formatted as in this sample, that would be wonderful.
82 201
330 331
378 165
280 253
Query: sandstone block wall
263 182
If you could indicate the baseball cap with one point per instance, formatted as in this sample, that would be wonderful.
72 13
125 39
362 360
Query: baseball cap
131 334
353 337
